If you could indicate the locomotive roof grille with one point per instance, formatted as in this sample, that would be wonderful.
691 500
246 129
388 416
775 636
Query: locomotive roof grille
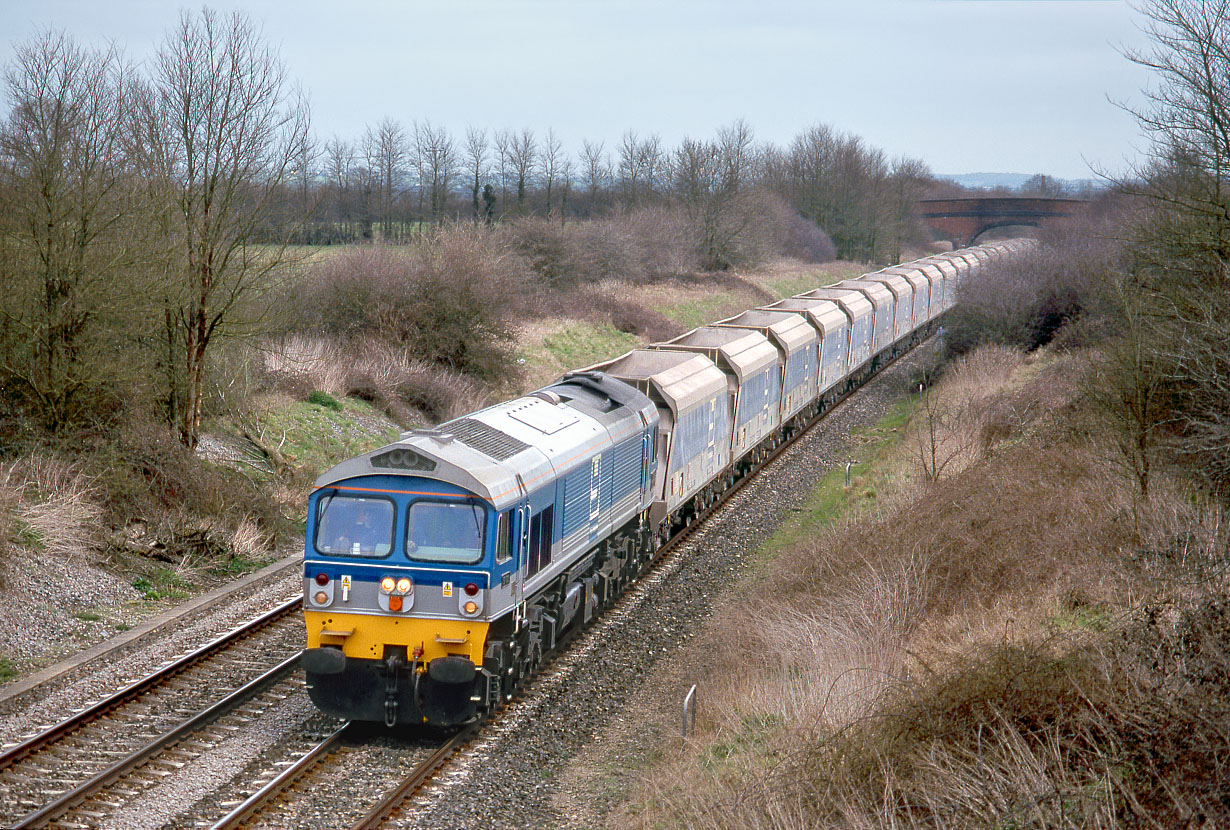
485 438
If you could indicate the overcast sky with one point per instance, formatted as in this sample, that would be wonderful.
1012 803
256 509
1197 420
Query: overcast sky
1017 86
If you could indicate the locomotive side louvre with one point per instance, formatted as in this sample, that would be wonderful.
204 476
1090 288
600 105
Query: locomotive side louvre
798 350
750 363
694 426
832 325
861 315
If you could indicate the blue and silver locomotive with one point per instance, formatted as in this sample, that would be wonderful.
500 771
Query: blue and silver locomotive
440 569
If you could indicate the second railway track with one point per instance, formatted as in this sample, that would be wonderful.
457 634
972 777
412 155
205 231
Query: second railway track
106 738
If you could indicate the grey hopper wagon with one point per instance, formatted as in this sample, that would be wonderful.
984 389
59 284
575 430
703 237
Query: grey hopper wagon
832 325
798 347
921 285
749 361
883 332
694 428
861 315
903 301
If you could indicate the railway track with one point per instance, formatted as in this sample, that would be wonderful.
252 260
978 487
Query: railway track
64 766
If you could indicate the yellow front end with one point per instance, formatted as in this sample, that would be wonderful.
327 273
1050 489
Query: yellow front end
365 636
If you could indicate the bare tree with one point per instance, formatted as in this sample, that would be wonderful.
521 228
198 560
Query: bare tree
437 161
522 151
65 181
736 142
340 175
1182 249
652 160
550 159
707 187
567 172
230 128
597 169
387 153
476 165
629 169
503 141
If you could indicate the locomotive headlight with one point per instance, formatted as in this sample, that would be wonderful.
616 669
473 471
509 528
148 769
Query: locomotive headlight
404 585
388 584
470 607
321 598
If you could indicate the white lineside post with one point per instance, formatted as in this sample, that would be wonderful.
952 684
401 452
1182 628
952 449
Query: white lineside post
689 713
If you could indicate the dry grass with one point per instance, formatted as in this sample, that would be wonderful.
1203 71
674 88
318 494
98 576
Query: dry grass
1004 648
949 430
376 372
60 506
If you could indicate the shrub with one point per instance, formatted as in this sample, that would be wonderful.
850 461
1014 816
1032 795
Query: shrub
145 472
325 400
631 246
446 300
1027 302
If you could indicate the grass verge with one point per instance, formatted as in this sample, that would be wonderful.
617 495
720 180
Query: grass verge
993 647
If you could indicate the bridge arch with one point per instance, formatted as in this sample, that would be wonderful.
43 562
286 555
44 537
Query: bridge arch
965 219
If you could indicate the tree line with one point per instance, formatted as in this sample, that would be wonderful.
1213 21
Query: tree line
147 210
132 200
394 179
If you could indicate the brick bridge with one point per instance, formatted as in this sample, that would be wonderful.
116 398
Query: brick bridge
964 220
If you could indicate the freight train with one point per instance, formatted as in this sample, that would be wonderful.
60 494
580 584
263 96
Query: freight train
442 569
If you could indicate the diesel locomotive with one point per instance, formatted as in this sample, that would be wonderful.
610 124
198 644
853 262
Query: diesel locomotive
440 570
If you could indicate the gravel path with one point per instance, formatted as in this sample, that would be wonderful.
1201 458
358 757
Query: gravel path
561 757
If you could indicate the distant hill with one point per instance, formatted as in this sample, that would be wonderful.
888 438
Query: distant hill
990 181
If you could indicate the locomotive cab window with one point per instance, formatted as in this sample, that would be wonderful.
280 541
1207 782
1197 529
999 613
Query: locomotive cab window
352 526
447 532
